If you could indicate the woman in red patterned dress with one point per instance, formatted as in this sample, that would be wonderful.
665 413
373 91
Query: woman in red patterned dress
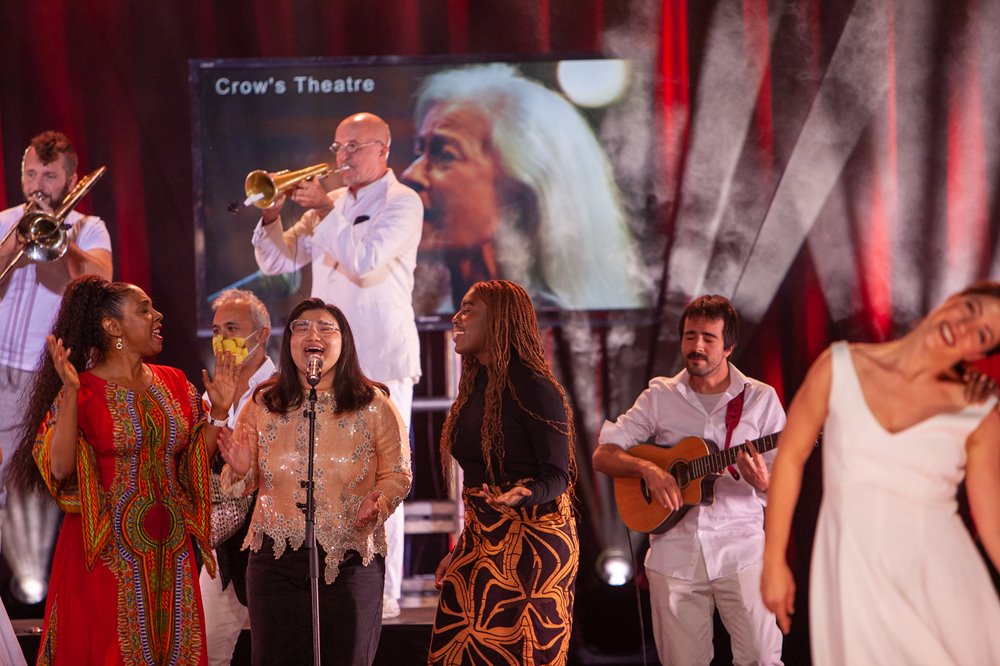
124 448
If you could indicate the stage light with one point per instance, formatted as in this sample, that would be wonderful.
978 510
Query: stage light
614 566
592 83
29 590
30 523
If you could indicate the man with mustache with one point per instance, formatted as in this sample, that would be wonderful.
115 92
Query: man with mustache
31 293
713 556
361 241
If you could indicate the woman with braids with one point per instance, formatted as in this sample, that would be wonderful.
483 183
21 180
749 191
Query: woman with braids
507 588
124 448
362 472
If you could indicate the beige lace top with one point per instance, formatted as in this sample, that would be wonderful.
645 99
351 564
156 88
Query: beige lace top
356 453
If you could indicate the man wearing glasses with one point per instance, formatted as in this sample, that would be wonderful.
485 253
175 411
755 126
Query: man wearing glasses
361 241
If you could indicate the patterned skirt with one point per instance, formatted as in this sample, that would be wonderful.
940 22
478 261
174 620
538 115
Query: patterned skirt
507 596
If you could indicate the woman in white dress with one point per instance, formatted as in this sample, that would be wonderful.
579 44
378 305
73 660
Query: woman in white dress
896 577
10 649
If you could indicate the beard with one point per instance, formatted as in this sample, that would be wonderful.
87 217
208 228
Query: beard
700 370
47 202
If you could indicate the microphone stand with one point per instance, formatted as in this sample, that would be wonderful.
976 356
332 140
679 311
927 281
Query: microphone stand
310 510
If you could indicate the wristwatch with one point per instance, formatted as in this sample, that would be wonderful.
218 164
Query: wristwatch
218 423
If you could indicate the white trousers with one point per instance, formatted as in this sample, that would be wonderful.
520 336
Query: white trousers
225 618
14 386
401 394
683 612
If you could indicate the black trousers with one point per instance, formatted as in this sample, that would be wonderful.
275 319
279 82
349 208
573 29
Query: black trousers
280 607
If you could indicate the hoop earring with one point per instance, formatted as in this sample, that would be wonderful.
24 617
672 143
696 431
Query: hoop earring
119 345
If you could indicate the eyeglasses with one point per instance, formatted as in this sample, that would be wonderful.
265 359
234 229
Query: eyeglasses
350 147
324 327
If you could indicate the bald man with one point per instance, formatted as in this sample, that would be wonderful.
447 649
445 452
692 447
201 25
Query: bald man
361 240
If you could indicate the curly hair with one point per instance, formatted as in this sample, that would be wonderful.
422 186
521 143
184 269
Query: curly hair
351 388
88 300
512 329
49 146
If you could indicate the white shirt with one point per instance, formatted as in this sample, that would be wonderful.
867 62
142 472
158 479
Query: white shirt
730 531
30 296
263 373
363 266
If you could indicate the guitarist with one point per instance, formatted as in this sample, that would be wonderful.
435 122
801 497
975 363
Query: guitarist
712 557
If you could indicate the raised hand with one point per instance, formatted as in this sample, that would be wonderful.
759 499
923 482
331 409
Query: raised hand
368 511
512 498
60 359
978 385
237 454
221 389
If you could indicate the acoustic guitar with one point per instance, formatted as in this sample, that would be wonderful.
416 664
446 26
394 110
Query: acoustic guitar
694 462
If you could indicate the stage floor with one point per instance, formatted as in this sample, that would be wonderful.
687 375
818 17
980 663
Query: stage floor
404 640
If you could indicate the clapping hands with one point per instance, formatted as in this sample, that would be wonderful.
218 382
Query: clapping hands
60 359
221 389
236 453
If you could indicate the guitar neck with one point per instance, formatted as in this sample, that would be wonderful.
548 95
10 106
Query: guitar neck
714 463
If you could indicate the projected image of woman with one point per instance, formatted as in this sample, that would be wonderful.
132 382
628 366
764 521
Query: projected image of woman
515 186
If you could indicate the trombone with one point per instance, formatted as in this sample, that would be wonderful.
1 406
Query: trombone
43 235
262 188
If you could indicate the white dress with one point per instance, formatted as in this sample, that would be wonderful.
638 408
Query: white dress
10 649
896 578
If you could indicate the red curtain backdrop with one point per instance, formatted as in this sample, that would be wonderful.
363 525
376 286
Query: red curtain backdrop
112 74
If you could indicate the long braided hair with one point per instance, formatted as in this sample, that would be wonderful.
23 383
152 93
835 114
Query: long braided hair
512 327
87 301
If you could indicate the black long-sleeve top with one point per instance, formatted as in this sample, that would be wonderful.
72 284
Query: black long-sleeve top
535 453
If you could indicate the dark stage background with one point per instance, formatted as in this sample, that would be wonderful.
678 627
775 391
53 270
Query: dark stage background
829 165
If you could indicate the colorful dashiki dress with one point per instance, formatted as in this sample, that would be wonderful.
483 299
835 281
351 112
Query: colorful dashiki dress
124 585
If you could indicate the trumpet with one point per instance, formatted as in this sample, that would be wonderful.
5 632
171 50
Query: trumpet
262 188
43 235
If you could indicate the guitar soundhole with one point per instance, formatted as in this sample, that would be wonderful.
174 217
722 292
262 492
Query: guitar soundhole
645 492
681 472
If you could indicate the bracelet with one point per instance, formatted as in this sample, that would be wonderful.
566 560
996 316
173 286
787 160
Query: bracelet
218 423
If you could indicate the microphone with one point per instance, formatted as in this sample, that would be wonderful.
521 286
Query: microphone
312 370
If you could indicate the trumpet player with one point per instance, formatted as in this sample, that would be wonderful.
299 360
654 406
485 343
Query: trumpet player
31 292
361 241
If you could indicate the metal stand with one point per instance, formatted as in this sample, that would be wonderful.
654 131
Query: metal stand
310 510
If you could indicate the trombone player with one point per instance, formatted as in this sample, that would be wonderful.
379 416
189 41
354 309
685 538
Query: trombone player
361 240
32 290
